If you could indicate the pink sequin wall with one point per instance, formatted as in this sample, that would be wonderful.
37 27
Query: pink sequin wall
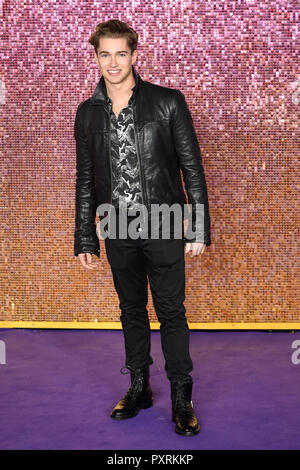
236 63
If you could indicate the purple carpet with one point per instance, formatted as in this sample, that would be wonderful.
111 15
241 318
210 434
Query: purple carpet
59 386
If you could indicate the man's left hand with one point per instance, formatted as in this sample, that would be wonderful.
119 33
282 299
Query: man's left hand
195 248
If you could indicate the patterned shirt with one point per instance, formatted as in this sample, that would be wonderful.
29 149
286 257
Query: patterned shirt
125 165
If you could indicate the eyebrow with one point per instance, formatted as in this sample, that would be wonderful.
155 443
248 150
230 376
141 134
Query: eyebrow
106 52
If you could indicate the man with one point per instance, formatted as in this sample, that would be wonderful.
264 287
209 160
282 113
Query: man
132 139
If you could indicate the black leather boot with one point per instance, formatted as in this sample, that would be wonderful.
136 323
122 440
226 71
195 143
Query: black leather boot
138 396
182 407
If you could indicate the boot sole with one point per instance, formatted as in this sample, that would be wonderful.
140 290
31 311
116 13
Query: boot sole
187 433
142 407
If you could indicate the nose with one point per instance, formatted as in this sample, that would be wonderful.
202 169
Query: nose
113 61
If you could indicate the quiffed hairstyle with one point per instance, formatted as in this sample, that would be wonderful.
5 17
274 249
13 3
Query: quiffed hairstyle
114 29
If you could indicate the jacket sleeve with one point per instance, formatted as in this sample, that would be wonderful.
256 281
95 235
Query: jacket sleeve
189 155
85 236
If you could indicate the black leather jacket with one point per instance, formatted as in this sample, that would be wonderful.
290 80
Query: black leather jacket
166 143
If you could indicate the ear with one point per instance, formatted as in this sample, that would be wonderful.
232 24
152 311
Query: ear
134 57
96 58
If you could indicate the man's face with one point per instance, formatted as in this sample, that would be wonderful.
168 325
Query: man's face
114 59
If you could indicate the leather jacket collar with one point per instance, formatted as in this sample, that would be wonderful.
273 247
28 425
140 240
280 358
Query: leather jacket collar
100 94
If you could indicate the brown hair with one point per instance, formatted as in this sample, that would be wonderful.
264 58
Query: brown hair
114 29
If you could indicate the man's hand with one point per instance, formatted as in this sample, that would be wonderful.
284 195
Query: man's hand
87 261
195 248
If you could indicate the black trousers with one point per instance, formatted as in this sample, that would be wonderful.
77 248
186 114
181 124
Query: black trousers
133 262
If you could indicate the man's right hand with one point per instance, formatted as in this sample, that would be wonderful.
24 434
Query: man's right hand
87 260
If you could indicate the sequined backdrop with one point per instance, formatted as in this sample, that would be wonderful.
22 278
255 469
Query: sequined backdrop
236 63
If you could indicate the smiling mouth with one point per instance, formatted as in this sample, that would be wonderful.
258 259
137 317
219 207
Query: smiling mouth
114 72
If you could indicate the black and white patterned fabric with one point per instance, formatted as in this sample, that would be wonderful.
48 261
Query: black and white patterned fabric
125 164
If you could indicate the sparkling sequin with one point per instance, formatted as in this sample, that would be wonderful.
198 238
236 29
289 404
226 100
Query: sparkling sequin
236 63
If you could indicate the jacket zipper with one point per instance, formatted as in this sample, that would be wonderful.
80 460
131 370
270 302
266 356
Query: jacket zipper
138 156
109 153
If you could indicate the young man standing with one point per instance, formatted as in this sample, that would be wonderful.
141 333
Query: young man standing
132 139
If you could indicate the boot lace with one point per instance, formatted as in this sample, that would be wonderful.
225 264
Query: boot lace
136 386
182 405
